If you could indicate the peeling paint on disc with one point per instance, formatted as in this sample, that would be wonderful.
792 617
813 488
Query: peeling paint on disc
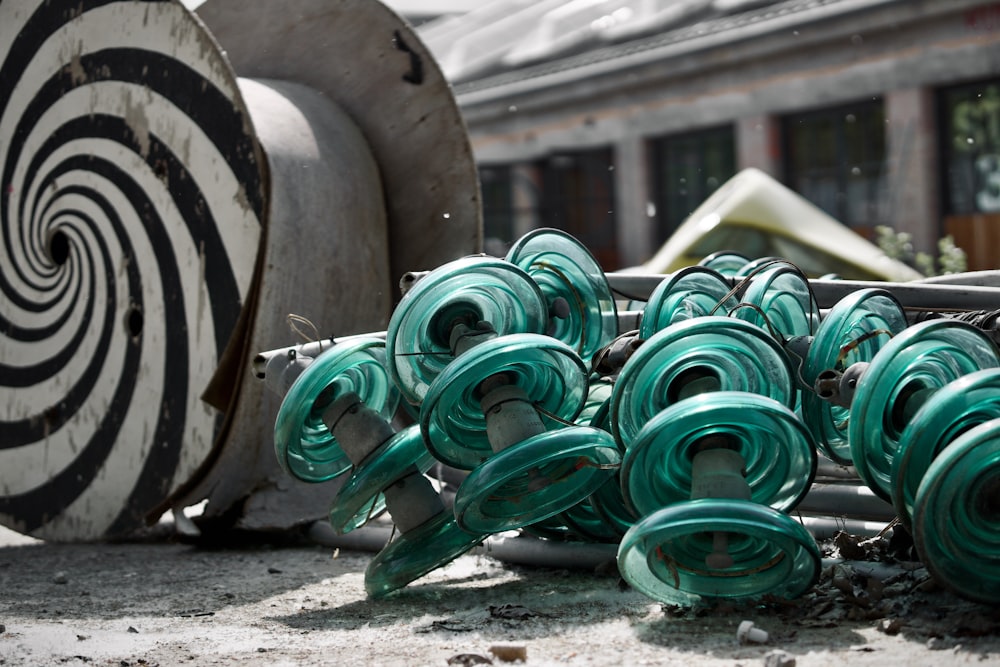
131 211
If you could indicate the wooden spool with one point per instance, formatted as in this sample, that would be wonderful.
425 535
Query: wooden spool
164 205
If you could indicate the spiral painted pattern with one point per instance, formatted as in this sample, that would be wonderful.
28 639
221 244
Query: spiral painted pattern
131 211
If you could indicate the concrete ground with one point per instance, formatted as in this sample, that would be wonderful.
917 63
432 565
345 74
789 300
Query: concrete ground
164 602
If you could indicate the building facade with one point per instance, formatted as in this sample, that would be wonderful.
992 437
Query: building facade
882 112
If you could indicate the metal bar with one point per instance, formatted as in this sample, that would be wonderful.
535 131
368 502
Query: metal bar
824 527
828 471
310 349
847 499
913 295
532 551
944 293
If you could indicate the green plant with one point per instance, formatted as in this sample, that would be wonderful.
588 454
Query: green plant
899 245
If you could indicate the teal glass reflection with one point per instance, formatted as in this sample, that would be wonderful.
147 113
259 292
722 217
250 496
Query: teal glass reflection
726 262
303 444
780 300
778 454
952 410
691 292
853 331
466 291
710 353
361 497
553 377
956 517
664 555
566 270
899 380
412 555
536 479
758 265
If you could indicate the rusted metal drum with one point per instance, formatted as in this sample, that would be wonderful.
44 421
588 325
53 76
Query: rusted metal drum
164 208
371 63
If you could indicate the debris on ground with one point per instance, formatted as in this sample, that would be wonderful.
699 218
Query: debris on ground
469 659
746 633
130 601
778 658
510 653
511 612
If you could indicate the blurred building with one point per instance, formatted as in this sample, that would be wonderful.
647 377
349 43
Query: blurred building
614 119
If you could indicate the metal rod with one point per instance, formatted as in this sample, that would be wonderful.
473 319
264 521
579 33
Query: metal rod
912 295
532 551
958 292
310 349
824 527
828 471
848 499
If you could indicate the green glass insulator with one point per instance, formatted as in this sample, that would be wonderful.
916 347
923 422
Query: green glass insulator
956 515
665 554
589 524
777 451
901 377
758 265
467 291
582 310
579 523
853 331
711 353
691 292
952 410
412 555
361 498
726 262
780 300
598 519
608 502
303 444
553 528
535 479
552 376
595 408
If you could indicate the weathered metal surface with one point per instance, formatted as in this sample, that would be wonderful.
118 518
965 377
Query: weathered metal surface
132 199
325 259
335 239
372 64
150 243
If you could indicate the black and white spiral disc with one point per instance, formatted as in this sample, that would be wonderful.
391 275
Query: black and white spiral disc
131 211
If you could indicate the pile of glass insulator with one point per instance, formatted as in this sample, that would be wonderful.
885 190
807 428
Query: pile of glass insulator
688 439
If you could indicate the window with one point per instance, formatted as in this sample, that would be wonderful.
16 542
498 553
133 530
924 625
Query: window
495 183
687 168
970 119
577 196
836 159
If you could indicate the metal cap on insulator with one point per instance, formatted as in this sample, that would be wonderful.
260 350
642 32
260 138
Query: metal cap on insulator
464 337
359 430
412 501
718 473
283 369
510 416
839 387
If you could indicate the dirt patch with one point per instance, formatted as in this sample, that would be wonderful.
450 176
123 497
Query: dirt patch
167 603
